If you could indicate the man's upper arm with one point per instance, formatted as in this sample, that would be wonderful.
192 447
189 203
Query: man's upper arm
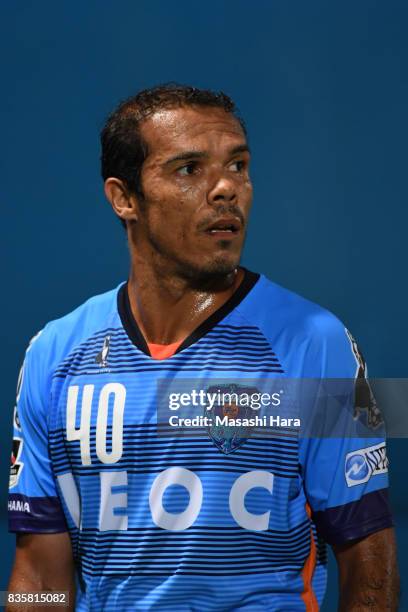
34 505
44 558
345 474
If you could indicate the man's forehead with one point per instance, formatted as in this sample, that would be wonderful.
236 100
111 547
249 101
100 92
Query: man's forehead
173 127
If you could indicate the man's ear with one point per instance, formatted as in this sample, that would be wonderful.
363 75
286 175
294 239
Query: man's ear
124 203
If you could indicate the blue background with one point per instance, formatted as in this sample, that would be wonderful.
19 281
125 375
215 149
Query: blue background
323 87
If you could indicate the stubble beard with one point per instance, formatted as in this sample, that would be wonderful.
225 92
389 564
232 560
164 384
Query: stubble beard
200 273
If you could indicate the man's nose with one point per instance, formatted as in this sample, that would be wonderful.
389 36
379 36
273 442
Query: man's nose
223 190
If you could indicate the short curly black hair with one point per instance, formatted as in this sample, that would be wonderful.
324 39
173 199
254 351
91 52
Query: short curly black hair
123 148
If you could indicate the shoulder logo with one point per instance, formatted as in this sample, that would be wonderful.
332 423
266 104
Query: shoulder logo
361 464
16 419
365 404
16 465
102 356
360 361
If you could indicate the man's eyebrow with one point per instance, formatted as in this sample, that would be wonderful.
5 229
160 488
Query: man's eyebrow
187 155
244 148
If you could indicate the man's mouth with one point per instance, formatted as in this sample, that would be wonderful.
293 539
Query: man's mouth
225 227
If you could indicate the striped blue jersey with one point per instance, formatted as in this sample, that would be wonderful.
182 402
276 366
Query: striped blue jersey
166 522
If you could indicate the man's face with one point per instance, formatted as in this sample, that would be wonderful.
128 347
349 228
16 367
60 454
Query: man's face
196 188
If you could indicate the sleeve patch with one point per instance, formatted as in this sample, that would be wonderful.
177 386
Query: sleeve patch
365 404
360 465
16 465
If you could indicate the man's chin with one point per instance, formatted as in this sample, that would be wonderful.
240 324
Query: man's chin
217 268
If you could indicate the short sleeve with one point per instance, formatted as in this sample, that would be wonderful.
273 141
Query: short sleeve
33 503
346 477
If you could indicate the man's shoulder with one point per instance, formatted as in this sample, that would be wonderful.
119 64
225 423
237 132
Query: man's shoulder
296 326
274 307
88 315
60 336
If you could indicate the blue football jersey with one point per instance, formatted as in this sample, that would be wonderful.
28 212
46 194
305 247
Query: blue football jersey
162 522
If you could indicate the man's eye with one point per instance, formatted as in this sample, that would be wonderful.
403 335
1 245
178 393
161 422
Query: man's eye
187 169
238 165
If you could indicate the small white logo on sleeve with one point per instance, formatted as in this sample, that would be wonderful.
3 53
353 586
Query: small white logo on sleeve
18 506
16 465
361 464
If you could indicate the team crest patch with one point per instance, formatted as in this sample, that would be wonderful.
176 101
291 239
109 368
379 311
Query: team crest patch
16 465
229 438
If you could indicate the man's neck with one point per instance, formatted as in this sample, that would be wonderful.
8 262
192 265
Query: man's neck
168 308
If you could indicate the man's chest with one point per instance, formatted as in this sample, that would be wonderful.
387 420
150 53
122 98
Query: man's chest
109 451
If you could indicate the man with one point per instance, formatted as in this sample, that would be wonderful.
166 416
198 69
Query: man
147 521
